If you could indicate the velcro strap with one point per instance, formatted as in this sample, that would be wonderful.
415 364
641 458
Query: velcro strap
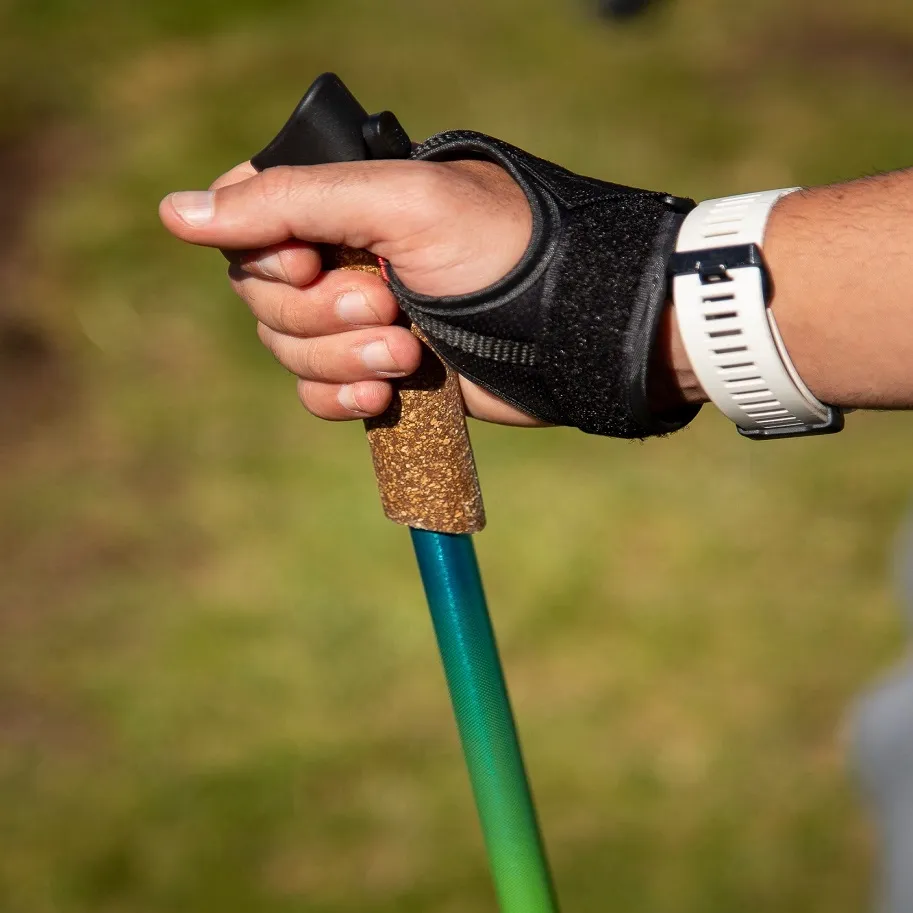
567 335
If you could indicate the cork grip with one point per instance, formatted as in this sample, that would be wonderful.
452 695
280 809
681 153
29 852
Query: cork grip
420 446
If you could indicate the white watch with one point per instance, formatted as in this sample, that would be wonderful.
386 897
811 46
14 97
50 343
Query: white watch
722 294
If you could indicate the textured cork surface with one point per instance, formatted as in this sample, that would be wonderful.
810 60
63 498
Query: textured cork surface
422 456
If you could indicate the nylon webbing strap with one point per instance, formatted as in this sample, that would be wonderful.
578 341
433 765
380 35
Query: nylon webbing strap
504 350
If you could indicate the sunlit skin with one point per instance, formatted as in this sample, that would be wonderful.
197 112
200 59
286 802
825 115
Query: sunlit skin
841 258
447 229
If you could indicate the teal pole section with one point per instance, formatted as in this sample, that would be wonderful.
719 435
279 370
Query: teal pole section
485 721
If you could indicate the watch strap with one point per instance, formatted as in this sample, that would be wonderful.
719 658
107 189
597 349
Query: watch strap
722 292
729 221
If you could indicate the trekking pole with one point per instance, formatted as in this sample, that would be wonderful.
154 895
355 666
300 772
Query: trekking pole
427 479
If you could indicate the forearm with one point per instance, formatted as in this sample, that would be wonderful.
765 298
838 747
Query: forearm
566 335
841 260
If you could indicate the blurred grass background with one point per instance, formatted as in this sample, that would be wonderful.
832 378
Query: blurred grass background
218 685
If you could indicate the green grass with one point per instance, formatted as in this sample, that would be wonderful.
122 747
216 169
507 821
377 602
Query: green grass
218 684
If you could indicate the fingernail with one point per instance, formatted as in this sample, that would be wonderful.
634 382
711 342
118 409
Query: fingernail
195 207
353 307
377 357
346 398
271 266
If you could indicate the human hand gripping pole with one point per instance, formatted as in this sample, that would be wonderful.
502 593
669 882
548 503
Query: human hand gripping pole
427 478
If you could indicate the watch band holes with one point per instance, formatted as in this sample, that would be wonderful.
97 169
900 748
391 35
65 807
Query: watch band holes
752 395
763 405
770 413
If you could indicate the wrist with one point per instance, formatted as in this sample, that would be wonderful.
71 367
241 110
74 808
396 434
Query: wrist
672 382
723 291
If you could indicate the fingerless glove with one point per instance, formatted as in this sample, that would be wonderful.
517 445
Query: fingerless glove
567 335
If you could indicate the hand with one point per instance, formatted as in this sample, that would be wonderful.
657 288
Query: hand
447 228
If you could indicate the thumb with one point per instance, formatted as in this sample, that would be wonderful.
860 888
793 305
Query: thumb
351 203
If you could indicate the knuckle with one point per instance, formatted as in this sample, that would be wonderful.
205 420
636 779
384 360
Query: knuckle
426 187
423 197
313 360
275 306
438 187
288 317
275 184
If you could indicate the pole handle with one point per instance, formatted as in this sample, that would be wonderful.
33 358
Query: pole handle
420 446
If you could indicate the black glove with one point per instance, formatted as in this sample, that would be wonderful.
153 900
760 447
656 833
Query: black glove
566 336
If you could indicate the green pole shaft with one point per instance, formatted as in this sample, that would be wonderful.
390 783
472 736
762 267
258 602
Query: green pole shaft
469 653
